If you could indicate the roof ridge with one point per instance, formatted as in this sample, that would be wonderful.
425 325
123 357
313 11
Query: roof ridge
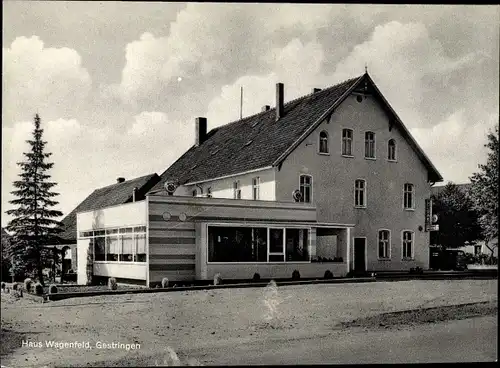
287 103
126 181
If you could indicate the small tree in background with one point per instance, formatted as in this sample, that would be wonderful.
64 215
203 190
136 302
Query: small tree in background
484 192
457 219
33 226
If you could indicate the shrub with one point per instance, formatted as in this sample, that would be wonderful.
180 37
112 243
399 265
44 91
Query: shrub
164 282
328 275
217 279
28 283
38 289
256 276
15 286
3 285
296 275
52 289
112 284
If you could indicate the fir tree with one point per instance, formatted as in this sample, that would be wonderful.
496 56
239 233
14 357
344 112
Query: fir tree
33 226
485 191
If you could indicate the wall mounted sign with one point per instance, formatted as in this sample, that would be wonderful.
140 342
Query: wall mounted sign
167 216
182 217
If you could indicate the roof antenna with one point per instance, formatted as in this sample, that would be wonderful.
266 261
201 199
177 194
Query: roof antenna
241 103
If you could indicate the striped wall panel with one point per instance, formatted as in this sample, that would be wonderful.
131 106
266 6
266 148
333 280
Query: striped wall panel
172 250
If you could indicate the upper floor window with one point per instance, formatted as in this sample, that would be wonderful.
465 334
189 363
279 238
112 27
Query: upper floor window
391 150
347 142
236 190
370 145
360 193
407 252
323 142
384 244
306 188
256 188
408 201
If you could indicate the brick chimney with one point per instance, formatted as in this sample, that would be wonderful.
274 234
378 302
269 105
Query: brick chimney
265 108
314 90
279 100
120 180
200 130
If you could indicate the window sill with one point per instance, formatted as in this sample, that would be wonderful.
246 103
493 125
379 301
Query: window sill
360 207
384 259
409 209
257 263
348 156
324 153
371 158
392 160
407 259
120 262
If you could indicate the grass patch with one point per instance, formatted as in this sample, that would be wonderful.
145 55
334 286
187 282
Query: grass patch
426 315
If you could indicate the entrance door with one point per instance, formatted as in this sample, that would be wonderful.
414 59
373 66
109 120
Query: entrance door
359 255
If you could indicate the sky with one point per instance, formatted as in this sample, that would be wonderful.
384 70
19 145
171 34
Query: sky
118 85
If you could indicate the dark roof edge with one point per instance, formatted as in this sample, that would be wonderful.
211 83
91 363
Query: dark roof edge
412 141
304 135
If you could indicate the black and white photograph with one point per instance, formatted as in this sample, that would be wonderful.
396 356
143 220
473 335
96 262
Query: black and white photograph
197 184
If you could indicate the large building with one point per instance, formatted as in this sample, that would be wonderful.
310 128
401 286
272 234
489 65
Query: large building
330 181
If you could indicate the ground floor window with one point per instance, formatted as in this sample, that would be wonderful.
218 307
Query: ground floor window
407 244
257 244
118 245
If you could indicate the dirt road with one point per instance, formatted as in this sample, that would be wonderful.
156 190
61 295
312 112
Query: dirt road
209 320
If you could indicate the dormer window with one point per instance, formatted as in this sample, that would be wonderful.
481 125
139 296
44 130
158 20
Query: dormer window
236 189
323 142
195 193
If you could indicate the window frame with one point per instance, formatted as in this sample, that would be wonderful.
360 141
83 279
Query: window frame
412 192
395 159
389 245
135 231
256 186
268 226
310 186
351 139
327 140
412 256
237 189
374 157
364 193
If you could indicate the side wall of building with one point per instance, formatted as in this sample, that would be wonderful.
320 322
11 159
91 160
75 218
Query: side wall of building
126 215
223 188
334 176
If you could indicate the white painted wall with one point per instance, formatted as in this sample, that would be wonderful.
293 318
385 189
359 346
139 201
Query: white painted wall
223 188
121 270
129 214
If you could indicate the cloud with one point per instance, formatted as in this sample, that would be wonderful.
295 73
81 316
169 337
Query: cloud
401 57
456 145
86 158
50 81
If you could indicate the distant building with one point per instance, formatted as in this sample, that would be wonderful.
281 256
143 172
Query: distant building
476 248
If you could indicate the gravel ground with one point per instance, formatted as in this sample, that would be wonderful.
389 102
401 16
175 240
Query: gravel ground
208 318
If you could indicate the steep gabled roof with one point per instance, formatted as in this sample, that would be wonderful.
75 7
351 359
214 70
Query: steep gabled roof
110 195
259 141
